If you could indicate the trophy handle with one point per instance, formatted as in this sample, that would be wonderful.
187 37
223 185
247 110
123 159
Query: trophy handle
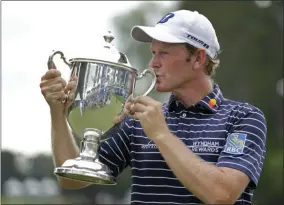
144 73
50 62
51 65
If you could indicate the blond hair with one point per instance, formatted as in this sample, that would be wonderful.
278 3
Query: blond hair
211 64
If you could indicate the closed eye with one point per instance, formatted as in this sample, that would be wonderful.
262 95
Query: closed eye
162 53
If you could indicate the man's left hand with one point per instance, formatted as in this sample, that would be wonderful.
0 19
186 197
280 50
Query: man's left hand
150 114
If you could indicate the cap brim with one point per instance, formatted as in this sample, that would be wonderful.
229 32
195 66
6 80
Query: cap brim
147 34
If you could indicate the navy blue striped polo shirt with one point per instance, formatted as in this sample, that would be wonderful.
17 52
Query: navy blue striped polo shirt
228 134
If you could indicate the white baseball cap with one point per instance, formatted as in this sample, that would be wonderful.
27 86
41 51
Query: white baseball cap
182 26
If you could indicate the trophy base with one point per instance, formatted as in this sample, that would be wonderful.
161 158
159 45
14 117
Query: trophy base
87 171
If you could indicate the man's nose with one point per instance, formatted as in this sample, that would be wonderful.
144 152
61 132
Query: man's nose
155 63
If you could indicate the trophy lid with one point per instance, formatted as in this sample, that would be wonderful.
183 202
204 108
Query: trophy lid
108 53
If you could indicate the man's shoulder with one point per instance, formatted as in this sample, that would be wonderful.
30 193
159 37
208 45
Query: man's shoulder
241 108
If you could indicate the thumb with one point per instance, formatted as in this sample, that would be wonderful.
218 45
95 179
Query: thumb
120 117
116 119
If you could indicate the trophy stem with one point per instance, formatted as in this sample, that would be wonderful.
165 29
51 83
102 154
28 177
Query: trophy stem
90 144
87 167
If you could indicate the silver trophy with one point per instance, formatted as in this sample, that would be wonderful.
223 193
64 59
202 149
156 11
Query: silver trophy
103 85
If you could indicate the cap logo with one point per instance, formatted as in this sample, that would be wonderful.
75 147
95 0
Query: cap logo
166 18
205 45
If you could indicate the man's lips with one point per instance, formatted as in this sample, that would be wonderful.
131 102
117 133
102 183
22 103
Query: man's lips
159 77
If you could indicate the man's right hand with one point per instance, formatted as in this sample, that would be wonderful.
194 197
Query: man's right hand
55 89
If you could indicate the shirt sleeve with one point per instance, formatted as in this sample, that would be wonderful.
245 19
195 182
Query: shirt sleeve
245 146
115 151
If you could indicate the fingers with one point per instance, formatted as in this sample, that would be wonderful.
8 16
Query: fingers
137 115
70 89
52 77
50 74
135 107
52 85
55 97
120 117
51 88
125 112
116 120
71 85
138 107
145 100
133 110
128 104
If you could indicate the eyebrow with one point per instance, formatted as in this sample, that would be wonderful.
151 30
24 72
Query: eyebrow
166 45
151 49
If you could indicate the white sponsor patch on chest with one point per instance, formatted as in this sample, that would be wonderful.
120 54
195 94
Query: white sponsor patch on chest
205 146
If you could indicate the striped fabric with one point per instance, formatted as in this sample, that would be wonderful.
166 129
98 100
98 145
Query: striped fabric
229 134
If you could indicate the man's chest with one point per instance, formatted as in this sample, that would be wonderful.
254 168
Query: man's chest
203 135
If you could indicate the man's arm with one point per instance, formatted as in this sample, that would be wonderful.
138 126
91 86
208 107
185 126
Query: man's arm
63 147
234 171
220 184
211 184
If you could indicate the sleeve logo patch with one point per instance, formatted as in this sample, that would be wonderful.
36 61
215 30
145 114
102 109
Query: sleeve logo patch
235 143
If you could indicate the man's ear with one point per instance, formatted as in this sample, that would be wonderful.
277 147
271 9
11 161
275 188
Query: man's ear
200 59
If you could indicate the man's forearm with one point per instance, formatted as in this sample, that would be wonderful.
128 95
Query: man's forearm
63 148
63 144
206 181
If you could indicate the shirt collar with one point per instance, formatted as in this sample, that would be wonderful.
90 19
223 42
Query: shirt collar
211 102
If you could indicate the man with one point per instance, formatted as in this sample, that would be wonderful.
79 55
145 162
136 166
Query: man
199 147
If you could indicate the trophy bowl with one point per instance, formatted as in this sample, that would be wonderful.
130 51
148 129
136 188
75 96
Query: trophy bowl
103 86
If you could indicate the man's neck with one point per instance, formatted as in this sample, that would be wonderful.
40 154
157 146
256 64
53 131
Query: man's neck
193 92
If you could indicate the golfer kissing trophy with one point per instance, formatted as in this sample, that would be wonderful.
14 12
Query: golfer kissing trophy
104 83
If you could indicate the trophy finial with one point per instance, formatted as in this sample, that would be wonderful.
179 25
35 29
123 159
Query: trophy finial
108 37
